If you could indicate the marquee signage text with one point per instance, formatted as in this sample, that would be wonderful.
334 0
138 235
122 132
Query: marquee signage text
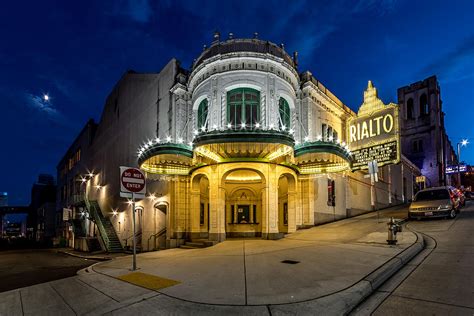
374 133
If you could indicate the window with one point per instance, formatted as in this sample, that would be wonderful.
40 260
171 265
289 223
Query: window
324 130
201 215
202 114
243 214
329 133
243 106
285 213
285 117
424 109
417 146
410 109
331 193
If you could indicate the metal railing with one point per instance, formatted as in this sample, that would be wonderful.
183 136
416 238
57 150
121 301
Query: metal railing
155 236
96 215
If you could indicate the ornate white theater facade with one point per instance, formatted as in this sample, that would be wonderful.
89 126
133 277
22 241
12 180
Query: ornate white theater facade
242 145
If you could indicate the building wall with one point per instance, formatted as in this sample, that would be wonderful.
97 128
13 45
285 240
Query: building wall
130 117
425 127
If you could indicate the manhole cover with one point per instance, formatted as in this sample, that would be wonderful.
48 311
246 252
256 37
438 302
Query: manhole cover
290 261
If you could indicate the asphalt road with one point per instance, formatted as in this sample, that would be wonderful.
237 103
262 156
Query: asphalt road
20 268
439 281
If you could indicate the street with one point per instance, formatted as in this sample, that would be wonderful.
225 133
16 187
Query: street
439 281
20 268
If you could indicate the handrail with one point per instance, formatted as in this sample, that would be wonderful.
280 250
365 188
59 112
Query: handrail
95 214
157 235
138 233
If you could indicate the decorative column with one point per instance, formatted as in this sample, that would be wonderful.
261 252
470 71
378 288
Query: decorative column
291 211
270 206
217 207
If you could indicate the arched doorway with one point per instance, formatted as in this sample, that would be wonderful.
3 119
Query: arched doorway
286 203
200 219
161 222
243 203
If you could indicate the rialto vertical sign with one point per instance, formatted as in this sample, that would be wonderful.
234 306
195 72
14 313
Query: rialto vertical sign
374 133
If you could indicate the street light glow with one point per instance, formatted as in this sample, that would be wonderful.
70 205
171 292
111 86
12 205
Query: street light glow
464 142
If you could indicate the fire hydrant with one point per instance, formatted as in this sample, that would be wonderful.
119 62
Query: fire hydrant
393 229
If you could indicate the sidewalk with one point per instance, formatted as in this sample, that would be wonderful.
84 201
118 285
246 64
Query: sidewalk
327 269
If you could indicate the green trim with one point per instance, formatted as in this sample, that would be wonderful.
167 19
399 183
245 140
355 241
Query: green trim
322 147
165 148
244 136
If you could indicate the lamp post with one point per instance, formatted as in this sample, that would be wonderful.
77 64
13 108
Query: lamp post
464 142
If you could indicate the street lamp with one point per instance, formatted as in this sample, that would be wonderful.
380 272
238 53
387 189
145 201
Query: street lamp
464 142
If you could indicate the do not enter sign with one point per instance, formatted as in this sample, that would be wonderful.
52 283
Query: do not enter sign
132 180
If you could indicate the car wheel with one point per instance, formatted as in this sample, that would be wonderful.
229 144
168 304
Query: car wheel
452 214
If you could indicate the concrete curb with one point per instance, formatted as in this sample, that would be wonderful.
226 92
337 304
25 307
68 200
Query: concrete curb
343 302
100 258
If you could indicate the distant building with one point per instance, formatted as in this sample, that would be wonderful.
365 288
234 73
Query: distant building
74 225
3 199
43 212
423 134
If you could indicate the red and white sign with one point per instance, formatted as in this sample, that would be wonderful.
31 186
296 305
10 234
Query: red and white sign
132 182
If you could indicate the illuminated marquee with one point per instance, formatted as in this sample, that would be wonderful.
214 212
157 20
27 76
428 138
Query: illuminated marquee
374 133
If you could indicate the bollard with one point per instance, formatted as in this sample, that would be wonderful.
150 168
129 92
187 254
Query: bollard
393 229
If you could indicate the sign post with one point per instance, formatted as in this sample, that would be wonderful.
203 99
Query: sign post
132 185
373 170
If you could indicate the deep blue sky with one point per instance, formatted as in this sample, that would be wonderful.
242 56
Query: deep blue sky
77 50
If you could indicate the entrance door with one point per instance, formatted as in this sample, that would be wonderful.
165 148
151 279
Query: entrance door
243 214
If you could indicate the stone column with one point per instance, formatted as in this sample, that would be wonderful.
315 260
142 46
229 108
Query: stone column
291 211
217 207
195 214
270 229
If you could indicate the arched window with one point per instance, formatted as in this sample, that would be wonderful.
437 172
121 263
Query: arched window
243 106
285 117
424 110
410 109
202 114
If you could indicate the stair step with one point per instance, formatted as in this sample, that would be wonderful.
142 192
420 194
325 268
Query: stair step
195 244
189 247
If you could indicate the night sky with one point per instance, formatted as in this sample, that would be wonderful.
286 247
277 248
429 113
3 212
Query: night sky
75 52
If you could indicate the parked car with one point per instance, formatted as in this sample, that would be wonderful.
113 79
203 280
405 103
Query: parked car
468 195
435 202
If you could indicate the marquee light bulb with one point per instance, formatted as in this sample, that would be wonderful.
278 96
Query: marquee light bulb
168 139
157 140
214 126
291 131
203 128
306 139
229 125
319 137
257 125
271 126
180 140
283 127
242 125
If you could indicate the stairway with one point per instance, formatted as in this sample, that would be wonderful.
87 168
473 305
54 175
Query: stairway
197 243
106 229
